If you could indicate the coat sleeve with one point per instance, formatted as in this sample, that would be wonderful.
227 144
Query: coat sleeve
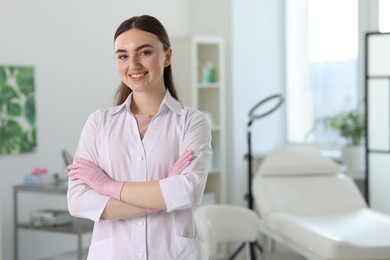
186 190
82 200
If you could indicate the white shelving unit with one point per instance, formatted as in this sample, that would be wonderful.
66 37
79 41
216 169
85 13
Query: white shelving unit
206 92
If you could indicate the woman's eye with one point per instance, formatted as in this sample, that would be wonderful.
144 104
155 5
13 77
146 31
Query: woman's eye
145 53
122 57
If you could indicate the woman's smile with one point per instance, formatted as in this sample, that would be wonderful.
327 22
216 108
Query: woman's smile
137 76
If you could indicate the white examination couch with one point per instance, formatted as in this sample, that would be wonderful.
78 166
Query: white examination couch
306 204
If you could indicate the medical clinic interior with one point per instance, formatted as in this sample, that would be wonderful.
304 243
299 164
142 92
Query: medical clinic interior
296 94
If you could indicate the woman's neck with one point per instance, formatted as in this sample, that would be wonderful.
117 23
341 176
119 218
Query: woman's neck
146 103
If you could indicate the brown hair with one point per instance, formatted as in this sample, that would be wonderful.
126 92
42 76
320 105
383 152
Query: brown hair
152 25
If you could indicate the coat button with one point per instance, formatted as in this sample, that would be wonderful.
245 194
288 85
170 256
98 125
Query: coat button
140 158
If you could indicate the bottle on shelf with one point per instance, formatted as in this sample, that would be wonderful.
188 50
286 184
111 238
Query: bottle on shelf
208 72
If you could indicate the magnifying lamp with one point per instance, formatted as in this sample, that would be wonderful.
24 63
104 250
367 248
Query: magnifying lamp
275 101
252 117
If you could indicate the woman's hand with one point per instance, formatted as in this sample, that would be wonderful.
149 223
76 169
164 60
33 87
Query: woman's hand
184 160
95 178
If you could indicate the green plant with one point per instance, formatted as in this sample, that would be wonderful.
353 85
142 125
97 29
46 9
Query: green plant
349 125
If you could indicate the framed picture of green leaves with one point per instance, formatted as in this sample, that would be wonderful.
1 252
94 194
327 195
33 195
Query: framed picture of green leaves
17 110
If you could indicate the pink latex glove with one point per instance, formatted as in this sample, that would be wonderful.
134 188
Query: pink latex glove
95 178
184 160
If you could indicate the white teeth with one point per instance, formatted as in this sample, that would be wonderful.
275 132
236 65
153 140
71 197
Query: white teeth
136 76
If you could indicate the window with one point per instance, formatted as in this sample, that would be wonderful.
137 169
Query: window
384 18
321 66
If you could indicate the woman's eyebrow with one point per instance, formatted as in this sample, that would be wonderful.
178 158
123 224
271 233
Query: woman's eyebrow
136 49
120 50
143 46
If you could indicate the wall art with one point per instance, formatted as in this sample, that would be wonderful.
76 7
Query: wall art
17 110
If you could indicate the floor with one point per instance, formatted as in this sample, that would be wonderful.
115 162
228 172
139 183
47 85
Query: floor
281 253
286 256
276 256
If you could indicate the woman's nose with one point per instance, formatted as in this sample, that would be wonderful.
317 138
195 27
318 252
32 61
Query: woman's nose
134 62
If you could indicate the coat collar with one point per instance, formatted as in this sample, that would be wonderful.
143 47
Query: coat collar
168 103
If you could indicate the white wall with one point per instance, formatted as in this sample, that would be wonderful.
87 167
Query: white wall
258 72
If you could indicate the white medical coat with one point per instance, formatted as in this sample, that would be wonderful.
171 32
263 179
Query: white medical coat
110 139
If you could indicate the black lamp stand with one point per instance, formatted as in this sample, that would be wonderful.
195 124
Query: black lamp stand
249 157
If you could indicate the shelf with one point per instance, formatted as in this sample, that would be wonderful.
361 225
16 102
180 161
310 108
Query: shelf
78 228
192 54
215 171
85 226
214 85
53 189
67 256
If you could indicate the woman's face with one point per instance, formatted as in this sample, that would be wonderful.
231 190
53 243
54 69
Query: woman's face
140 60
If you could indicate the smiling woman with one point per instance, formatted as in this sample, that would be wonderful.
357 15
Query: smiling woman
141 167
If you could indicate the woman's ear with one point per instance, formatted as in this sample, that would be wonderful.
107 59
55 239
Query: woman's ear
168 57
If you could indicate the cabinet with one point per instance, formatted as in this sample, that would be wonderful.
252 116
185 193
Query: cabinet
77 228
198 65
